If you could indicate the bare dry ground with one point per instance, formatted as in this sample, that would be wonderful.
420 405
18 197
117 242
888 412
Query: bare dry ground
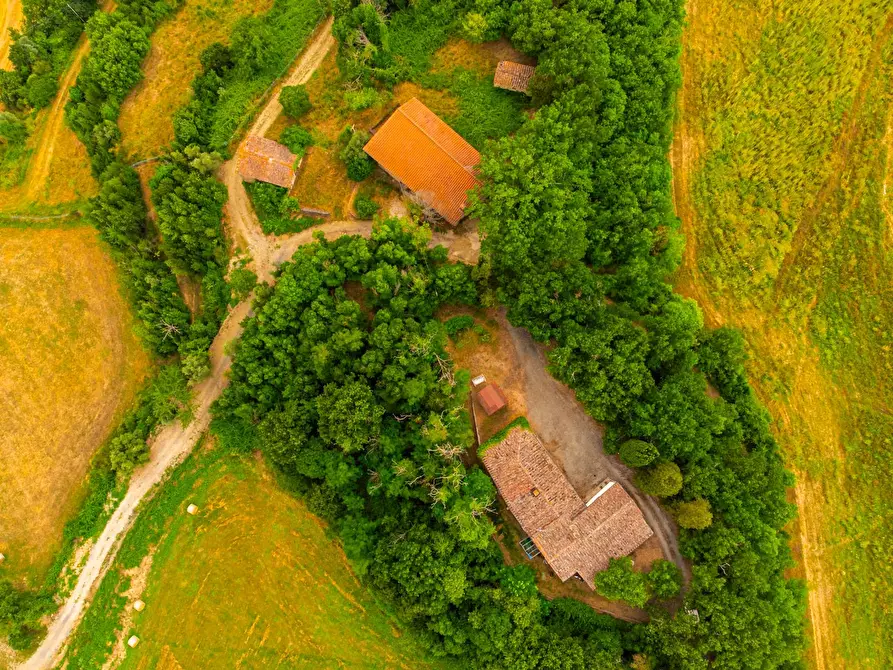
146 119
69 365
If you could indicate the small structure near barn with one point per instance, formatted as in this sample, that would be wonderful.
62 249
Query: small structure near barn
431 159
133 641
491 398
264 160
192 509
139 605
513 76
478 382
574 537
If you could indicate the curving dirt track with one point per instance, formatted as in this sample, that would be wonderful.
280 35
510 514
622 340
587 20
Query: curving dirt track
175 442
244 226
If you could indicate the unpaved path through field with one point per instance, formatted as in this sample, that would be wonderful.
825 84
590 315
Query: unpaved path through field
175 441
557 417
39 168
245 228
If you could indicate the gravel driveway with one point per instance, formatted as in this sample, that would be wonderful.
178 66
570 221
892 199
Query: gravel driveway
575 440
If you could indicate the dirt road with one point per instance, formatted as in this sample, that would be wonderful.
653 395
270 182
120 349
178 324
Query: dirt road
244 226
175 441
169 447
557 417
39 168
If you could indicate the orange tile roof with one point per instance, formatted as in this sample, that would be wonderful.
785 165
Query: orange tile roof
491 398
421 151
261 159
574 537
513 76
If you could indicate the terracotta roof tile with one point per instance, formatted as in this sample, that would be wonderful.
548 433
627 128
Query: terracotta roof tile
421 151
513 76
573 537
261 159
491 399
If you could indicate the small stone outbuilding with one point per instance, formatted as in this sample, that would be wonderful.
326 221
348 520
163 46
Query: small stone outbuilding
513 76
264 160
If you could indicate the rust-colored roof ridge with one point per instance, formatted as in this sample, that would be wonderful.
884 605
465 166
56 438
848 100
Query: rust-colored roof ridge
428 135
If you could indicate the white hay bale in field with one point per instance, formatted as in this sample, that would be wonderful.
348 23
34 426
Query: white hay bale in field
133 641
192 509
2 558
139 605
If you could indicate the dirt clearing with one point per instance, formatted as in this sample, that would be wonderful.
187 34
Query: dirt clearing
69 365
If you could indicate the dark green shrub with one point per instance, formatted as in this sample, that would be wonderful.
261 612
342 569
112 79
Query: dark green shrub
295 101
457 324
297 139
366 207
621 582
359 165
41 89
665 579
637 454
661 480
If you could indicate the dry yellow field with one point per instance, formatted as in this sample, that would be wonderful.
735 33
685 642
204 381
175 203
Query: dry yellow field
69 365
58 169
780 182
146 119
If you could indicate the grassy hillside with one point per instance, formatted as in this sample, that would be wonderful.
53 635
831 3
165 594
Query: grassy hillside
69 365
146 119
781 173
251 581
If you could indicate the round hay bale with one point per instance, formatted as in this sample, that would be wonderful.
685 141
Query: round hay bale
133 641
139 605
192 509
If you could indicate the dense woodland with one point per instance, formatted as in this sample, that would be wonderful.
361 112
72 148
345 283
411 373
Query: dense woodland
342 379
40 52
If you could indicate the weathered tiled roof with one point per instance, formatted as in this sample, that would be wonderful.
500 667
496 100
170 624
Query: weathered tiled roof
491 398
265 160
573 537
513 76
421 151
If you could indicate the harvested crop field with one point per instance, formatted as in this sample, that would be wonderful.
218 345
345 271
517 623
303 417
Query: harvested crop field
146 119
69 365
251 580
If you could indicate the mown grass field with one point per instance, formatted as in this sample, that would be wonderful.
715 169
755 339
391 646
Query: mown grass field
251 581
781 169
69 366
146 119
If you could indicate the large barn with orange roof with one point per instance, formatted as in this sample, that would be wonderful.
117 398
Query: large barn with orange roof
431 159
